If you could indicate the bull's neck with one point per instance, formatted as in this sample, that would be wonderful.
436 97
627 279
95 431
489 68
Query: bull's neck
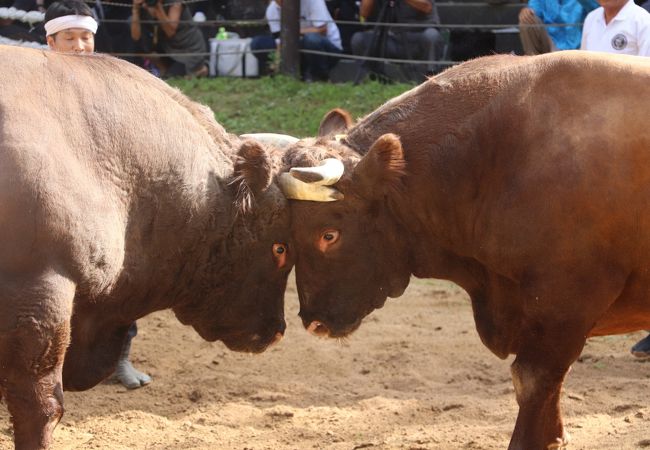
438 132
170 235
437 209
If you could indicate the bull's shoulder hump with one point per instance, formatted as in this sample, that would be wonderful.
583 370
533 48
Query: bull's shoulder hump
106 79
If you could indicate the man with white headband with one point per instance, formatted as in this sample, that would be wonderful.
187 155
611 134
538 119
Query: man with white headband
70 27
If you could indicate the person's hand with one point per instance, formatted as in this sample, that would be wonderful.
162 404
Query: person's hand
137 7
526 15
154 11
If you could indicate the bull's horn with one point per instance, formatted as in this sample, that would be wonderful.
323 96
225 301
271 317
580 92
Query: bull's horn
297 190
329 172
277 140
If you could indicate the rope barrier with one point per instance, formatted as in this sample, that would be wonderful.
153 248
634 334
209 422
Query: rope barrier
261 22
312 52
30 17
223 22
7 41
377 59
130 5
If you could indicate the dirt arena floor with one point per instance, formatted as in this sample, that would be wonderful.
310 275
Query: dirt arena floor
415 376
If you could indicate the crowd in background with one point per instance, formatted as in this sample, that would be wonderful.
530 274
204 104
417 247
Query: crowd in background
177 33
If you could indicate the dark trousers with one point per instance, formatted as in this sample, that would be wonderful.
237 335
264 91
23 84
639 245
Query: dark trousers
317 66
422 45
126 347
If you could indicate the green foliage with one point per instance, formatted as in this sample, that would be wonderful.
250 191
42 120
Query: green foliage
281 104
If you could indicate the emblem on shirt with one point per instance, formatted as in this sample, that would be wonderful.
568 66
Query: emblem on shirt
619 42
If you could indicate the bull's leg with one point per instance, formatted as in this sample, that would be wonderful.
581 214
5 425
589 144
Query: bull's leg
538 373
32 349
35 399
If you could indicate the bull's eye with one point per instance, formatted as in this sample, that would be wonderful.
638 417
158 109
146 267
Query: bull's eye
327 239
280 254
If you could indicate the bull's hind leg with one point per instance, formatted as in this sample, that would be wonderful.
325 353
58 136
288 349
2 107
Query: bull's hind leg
538 372
34 337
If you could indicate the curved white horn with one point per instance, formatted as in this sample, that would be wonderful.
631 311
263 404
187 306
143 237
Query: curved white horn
329 172
297 190
278 140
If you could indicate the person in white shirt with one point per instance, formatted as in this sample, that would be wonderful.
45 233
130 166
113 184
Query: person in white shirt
618 26
317 32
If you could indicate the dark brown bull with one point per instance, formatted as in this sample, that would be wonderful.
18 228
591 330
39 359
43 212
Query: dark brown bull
120 197
525 180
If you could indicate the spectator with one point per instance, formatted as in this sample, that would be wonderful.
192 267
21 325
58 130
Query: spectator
317 32
171 33
70 27
618 26
537 38
410 43
345 10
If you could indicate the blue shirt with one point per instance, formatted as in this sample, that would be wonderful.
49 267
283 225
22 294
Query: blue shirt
563 11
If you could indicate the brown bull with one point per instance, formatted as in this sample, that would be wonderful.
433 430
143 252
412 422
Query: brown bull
119 197
525 180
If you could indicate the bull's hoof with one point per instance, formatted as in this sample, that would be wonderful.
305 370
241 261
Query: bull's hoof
560 443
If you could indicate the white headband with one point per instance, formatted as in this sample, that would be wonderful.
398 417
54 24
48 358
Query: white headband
66 22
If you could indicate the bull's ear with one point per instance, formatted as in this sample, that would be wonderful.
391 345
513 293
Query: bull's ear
253 173
382 168
337 121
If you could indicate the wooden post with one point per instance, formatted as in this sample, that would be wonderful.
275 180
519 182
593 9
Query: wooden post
290 38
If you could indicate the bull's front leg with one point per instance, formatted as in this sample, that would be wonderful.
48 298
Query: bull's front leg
33 391
34 336
538 372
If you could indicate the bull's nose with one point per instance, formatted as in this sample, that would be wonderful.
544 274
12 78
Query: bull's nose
318 329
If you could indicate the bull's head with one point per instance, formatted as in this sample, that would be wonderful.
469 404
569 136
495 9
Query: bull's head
349 251
247 263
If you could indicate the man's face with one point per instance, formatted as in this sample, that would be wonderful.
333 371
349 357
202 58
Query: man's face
72 40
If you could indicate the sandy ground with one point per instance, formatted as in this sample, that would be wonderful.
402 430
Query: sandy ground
415 376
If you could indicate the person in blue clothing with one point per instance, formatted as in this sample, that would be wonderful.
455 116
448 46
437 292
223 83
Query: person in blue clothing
537 36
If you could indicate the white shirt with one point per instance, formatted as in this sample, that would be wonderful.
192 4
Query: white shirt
313 14
628 33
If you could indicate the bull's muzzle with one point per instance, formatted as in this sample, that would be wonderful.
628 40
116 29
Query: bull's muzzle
318 329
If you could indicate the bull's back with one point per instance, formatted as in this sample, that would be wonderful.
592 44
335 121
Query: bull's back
573 164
